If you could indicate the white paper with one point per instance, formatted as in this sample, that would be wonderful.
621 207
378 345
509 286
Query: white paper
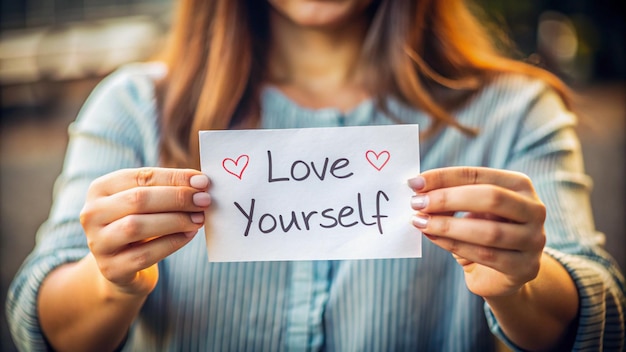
311 194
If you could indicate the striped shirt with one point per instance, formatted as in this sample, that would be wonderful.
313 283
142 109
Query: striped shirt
357 305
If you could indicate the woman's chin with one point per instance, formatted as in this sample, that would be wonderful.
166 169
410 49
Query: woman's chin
320 14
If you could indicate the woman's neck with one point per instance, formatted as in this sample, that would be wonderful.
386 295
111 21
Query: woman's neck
317 67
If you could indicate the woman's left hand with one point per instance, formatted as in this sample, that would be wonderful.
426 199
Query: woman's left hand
499 241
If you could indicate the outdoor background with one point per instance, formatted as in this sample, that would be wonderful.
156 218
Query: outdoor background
53 52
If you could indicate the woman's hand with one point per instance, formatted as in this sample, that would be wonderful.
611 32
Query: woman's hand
134 218
499 241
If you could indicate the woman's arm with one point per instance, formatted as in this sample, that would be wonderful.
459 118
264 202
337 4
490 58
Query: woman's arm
133 218
534 244
499 243
79 311
116 129
543 312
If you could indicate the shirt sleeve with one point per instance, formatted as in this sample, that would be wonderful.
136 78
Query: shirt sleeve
116 128
548 151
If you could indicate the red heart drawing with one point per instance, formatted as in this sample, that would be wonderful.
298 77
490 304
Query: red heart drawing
377 160
234 167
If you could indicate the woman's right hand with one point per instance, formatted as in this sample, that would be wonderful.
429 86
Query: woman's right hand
133 218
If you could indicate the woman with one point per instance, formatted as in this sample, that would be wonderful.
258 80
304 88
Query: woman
122 261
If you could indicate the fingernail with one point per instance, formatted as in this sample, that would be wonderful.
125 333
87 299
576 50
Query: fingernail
190 234
197 218
201 199
420 221
417 183
199 181
419 201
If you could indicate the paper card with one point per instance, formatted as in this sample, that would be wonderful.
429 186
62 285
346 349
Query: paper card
311 194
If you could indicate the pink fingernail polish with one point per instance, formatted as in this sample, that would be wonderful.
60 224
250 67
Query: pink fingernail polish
197 218
199 181
190 234
419 201
417 183
201 199
420 221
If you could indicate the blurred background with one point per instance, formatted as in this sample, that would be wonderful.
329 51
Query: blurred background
53 52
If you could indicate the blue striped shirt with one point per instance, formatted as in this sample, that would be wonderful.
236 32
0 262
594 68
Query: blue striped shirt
360 305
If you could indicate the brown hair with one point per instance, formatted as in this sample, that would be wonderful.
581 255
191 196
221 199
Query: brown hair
427 53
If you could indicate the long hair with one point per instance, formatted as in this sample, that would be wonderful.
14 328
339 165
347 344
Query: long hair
433 55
